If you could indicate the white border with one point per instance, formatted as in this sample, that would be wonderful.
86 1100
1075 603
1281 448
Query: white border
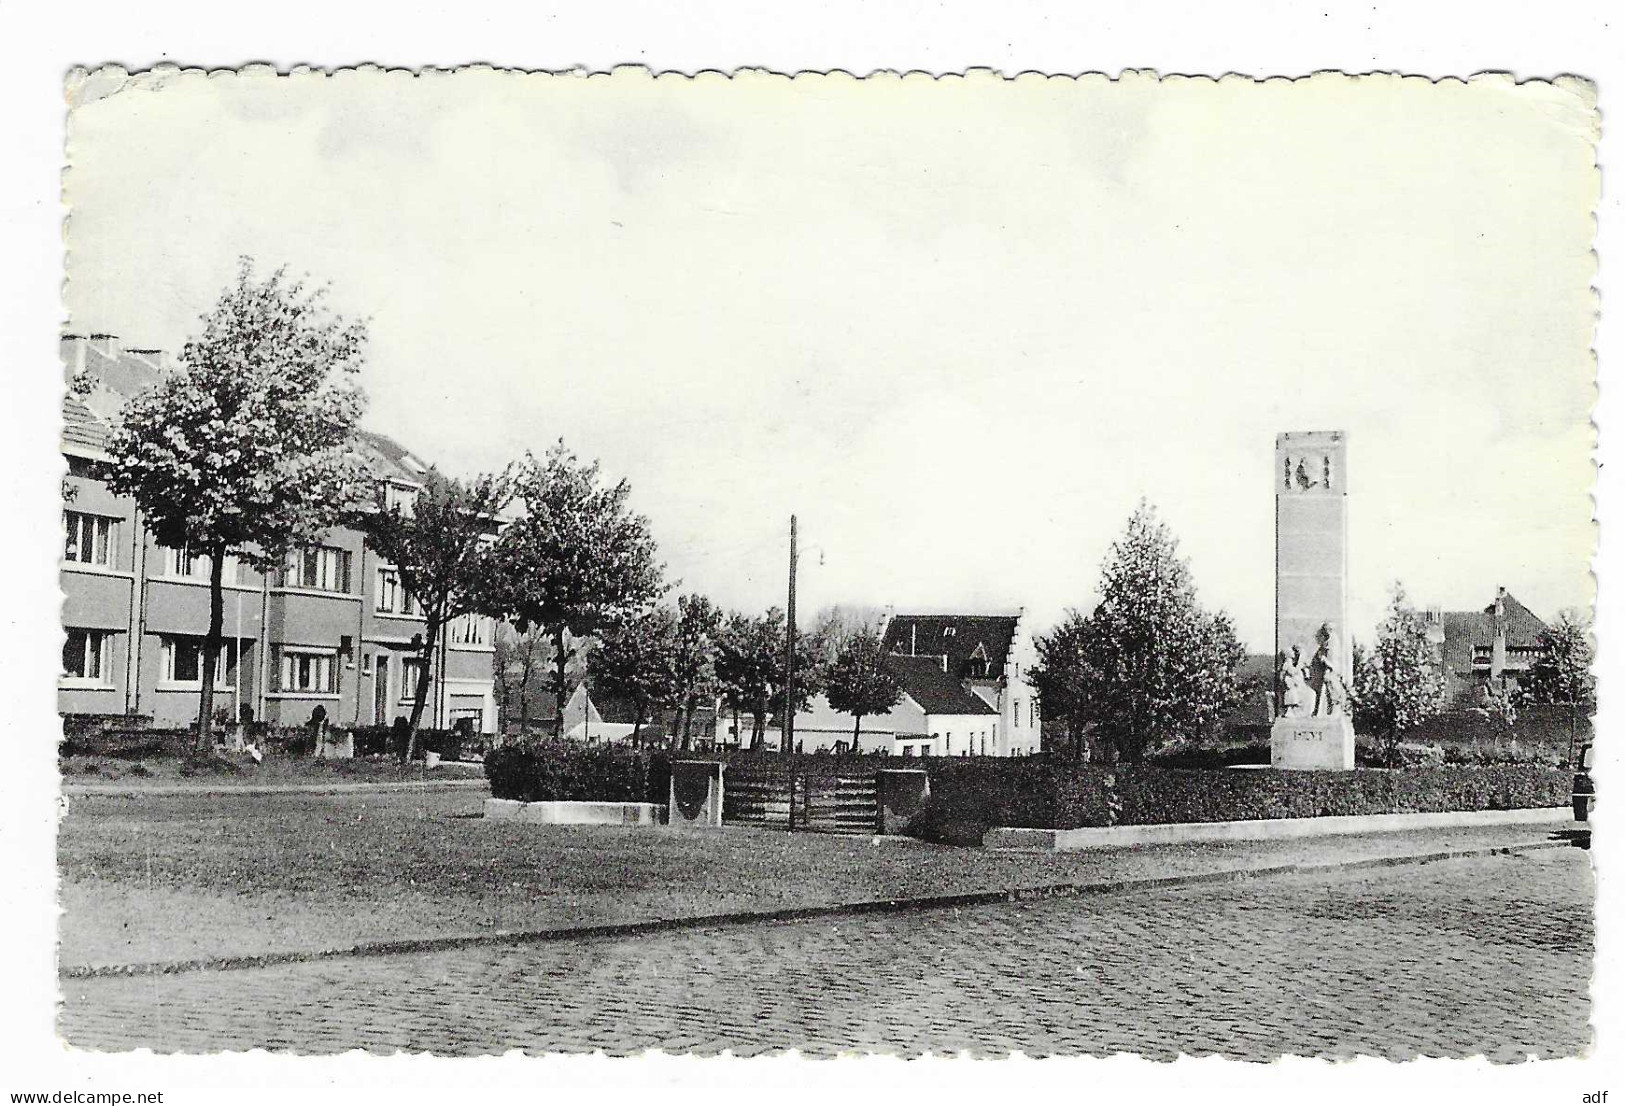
1249 36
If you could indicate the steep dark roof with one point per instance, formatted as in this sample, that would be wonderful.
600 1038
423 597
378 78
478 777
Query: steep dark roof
80 426
955 636
936 691
1465 629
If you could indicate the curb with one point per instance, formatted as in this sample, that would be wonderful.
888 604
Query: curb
82 790
1263 829
788 914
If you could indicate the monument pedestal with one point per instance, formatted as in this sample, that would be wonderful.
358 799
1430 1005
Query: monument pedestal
1312 742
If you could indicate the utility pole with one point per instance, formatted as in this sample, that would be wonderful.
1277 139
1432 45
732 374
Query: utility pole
788 729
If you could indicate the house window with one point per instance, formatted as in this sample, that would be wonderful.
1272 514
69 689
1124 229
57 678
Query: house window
319 568
85 655
90 539
311 671
411 676
183 663
186 564
908 750
1015 715
398 498
1032 712
469 629
391 596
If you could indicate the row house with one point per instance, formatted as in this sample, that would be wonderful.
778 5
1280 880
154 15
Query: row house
992 657
331 627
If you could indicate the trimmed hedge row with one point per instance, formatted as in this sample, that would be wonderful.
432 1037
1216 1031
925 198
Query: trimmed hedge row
564 771
968 798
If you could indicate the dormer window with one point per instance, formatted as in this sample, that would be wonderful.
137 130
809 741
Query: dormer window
948 631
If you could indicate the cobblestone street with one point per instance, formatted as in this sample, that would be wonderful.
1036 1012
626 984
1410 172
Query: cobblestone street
1455 958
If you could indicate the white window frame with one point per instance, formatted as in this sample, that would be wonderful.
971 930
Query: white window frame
103 643
182 564
403 604
80 531
413 669
469 631
332 575
287 666
225 671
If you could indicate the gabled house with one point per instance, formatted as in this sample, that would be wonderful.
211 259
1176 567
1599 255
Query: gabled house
991 656
331 627
936 716
1496 644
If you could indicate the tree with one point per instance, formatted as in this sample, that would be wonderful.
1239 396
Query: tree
1063 677
1400 683
516 658
1561 673
577 563
637 661
839 623
245 449
698 626
440 547
1149 664
750 667
859 682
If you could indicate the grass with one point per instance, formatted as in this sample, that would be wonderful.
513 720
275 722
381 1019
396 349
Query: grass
238 770
158 877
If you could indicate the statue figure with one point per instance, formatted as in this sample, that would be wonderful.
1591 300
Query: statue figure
1294 690
1324 677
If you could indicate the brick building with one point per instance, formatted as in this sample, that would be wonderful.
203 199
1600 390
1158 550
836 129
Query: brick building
332 627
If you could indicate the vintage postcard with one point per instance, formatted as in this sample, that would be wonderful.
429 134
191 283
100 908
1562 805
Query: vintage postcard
747 564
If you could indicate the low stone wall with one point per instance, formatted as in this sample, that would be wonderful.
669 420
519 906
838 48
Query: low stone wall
1261 829
564 813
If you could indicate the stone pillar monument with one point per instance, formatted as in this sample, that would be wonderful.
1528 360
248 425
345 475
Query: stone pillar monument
1313 664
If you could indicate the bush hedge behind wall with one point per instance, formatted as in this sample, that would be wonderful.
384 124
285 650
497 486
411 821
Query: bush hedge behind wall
969 797
566 771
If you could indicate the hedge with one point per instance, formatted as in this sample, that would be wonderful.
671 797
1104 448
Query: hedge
969 797
565 771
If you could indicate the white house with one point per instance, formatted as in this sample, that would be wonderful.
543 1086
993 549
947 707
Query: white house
991 656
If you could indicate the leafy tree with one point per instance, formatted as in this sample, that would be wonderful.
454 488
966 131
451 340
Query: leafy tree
699 624
245 450
1149 664
516 658
1562 671
440 546
859 682
750 667
578 563
1400 683
637 661
1063 677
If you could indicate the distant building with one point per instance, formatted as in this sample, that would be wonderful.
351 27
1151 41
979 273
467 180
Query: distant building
1497 644
992 656
331 627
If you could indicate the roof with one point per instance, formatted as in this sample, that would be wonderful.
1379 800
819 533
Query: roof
117 374
1466 630
957 637
936 691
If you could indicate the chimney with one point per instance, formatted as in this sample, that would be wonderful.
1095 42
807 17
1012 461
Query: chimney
913 639
71 347
1498 650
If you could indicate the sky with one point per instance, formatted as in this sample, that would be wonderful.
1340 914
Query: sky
959 327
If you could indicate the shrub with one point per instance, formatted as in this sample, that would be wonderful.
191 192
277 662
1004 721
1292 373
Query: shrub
972 796
563 771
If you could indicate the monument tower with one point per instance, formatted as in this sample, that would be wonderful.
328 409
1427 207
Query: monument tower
1313 664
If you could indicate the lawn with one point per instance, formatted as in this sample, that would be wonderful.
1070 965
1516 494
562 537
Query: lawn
157 877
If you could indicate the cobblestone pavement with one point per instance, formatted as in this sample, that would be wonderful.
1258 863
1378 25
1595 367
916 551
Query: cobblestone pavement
1489 955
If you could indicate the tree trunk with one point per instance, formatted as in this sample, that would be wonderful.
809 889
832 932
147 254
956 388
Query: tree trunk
524 700
688 722
637 727
558 681
211 649
857 728
421 692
